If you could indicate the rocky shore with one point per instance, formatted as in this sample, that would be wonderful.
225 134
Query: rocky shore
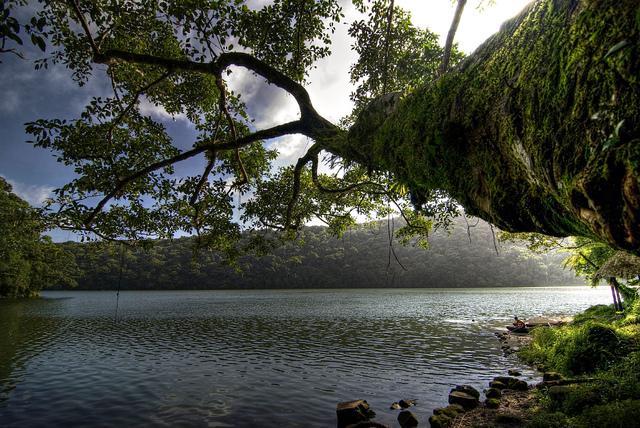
508 401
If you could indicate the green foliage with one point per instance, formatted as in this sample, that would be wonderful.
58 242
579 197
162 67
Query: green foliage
113 139
577 349
604 345
588 256
28 261
395 59
11 29
485 135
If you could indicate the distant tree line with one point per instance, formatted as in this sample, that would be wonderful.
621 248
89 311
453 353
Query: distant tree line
362 257
29 261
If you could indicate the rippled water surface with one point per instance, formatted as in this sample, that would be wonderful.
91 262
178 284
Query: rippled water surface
252 358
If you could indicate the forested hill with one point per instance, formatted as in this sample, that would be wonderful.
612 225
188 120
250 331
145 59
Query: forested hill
360 259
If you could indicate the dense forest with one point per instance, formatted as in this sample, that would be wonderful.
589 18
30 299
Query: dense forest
462 257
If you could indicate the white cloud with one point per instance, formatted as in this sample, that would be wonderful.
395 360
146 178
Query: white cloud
33 193
290 148
268 105
158 112
10 101
475 26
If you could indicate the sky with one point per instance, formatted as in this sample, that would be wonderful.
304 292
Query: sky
27 95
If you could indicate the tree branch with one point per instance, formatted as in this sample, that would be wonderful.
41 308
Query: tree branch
385 70
297 172
448 46
224 60
222 105
203 178
276 131
316 181
84 24
133 102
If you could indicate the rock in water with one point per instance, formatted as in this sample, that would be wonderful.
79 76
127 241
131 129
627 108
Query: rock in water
493 393
507 382
514 372
406 403
467 389
496 384
407 419
451 411
466 400
395 406
352 412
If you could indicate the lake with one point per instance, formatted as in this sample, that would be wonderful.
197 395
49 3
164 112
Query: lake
268 358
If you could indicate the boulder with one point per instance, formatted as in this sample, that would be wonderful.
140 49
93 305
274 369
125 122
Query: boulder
519 385
467 389
451 411
406 403
440 421
514 372
497 384
395 406
464 399
507 380
407 419
549 376
492 403
493 393
352 412
509 383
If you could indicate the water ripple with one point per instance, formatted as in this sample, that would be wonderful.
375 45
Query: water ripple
267 358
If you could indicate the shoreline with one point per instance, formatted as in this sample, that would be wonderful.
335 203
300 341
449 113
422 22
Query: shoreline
507 401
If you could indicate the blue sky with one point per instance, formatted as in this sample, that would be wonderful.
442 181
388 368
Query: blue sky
27 94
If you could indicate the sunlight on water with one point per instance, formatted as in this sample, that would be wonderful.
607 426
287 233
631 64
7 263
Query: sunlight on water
253 358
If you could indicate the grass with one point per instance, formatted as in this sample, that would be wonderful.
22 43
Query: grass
599 344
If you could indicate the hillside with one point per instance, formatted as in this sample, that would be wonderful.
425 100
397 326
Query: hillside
361 258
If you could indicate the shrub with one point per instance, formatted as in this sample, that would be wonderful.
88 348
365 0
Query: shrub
593 347
549 420
611 415
581 398
576 349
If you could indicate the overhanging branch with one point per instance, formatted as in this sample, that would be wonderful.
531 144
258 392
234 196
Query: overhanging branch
276 131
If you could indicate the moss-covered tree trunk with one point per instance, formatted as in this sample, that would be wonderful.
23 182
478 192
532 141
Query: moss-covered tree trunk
538 130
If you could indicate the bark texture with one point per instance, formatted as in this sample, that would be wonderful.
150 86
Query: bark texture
538 130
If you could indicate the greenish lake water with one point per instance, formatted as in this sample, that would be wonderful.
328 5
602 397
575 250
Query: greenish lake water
254 358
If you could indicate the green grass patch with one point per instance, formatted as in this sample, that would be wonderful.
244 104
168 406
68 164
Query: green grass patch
580 348
601 345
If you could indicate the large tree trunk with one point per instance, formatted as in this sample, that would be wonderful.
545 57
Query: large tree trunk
528 132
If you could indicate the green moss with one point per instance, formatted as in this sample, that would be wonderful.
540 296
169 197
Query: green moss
510 134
